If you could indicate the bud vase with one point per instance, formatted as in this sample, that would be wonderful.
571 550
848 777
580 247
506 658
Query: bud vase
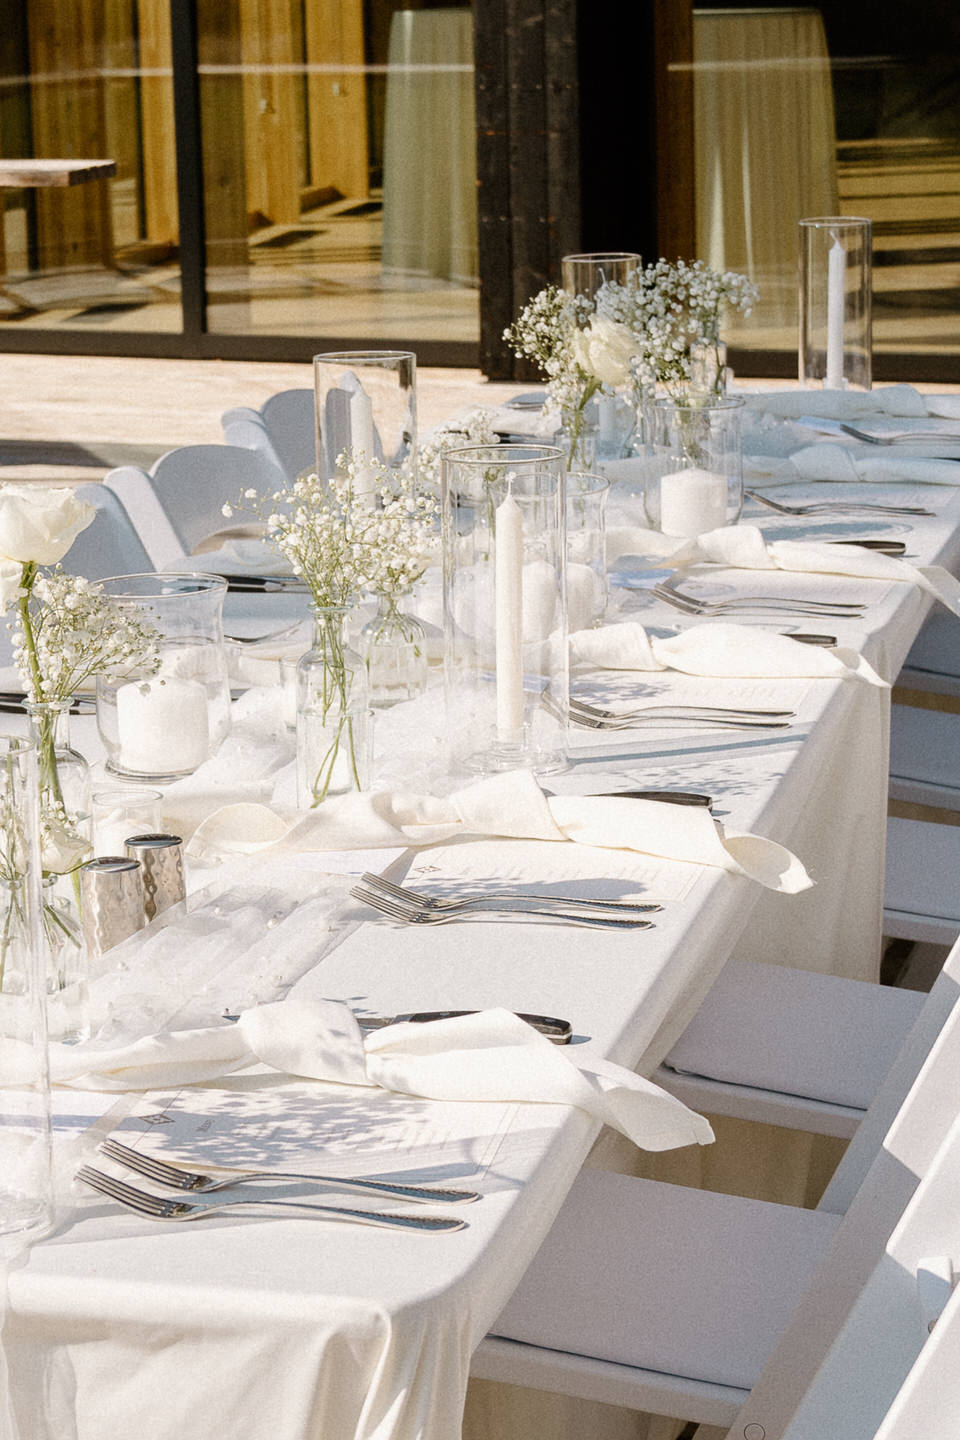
394 648
66 826
334 724
26 1191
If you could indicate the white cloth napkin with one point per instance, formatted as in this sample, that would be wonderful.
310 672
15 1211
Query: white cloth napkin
746 651
854 404
742 547
509 805
844 463
492 1055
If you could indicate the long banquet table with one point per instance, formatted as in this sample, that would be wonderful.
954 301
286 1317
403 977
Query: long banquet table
297 1330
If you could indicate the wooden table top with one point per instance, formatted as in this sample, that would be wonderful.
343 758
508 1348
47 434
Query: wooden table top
54 172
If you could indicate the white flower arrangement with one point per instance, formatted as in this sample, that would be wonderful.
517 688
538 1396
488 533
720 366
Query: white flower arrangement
670 308
474 428
577 351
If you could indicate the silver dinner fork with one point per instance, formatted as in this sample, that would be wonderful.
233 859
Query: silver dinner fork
748 604
161 1207
180 1179
415 899
409 915
836 507
594 718
280 634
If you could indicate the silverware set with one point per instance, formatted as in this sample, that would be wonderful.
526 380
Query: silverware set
410 907
161 1207
888 437
836 507
714 716
754 604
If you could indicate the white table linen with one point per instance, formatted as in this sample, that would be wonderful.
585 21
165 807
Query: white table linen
116 1324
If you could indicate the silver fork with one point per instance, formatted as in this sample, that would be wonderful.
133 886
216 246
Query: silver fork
581 709
838 507
691 605
280 634
409 915
417 900
181 1179
161 1207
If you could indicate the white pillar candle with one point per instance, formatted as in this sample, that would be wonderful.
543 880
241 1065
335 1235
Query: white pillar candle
608 432
362 443
692 501
508 580
836 290
162 726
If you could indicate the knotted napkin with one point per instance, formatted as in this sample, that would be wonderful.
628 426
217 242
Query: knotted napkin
510 805
744 651
742 547
901 400
492 1055
828 461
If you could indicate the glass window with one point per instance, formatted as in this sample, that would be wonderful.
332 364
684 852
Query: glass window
804 111
89 81
339 169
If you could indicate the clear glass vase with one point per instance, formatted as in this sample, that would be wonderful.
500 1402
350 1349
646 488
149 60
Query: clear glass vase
334 723
26 1189
693 467
394 648
66 830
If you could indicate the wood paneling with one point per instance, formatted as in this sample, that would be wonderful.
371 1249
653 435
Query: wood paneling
337 103
159 222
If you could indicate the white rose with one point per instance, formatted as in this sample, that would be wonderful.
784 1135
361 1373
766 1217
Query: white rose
62 849
40 525
605 350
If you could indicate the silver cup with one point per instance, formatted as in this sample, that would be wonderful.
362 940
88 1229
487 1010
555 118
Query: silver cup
161 861
111 897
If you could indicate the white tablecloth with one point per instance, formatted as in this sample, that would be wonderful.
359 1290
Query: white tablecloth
296 1330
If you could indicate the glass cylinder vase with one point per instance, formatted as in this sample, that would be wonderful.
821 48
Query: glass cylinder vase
836 291
366 407
26 1190
585 274
163 725
505 615
334 723
394 649
587 585
693 467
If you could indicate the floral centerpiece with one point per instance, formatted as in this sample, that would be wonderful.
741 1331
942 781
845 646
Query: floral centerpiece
577 352
64 632
672 310
341 542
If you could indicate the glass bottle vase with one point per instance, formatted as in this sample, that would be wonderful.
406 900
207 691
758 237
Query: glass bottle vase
394 649
334 725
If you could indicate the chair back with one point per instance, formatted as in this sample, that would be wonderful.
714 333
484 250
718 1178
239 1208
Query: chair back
194 482
283 430
892 1372
110 545
135 490
882 1175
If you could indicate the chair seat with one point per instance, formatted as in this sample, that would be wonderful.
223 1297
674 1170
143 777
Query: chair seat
921 898
925 757
666 1279
934 659
772 1027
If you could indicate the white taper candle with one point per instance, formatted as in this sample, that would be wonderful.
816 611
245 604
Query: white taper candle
508 540
836 299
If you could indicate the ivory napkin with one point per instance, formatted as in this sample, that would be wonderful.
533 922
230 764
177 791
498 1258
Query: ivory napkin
746 651
854 404
743 548
492 1055
511 805
844 463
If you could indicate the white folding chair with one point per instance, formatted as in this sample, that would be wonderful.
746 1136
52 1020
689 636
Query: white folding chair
714 1308
190 486
934 660
921 898
283 430
110 545
924 746
893 1370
